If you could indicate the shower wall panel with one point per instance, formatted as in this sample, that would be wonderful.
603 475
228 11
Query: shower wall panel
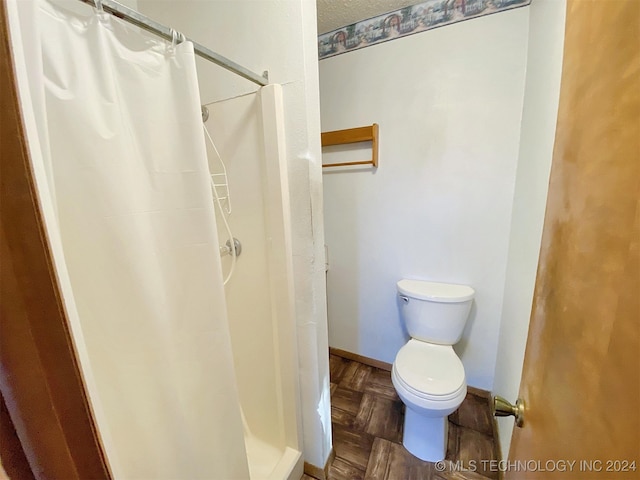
236 128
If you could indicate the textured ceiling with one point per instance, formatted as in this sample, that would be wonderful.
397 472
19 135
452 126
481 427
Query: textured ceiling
334 14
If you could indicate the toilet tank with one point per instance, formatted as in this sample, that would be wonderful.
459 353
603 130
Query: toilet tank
434 312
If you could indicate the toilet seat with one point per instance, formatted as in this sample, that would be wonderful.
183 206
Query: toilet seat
429 371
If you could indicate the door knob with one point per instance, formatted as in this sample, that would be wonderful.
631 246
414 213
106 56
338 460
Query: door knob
502 408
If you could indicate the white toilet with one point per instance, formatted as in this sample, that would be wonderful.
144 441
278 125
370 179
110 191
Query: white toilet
427 373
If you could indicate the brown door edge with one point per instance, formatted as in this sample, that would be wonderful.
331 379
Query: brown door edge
40 378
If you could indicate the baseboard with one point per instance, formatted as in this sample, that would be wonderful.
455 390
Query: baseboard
479 392
317 472
372 362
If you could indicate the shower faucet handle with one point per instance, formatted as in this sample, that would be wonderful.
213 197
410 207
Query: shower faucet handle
226 249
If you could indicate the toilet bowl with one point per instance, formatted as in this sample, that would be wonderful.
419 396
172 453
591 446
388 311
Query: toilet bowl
427 374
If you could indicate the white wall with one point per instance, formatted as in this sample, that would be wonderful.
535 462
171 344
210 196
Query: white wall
279 36
449 104
542 91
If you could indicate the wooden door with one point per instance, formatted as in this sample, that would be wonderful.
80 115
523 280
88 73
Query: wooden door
40 379
581 377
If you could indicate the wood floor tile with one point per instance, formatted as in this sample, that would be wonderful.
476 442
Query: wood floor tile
352 446
474 413
337 366
347 400
332 388
379 383
391 461
355 376
459 475
380 417
342 418
475 446
367 419
341 470
452 442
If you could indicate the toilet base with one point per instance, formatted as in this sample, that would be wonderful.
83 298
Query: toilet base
425 437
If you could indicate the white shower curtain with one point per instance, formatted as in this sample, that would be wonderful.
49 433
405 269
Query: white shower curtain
123 156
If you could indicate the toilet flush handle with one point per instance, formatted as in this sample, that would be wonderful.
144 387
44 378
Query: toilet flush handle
404 299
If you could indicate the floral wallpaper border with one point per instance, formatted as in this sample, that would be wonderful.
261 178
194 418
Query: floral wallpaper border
406 21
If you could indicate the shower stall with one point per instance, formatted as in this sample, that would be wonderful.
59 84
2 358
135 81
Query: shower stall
248 133
186 377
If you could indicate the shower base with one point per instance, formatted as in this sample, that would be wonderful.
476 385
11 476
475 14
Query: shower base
267 462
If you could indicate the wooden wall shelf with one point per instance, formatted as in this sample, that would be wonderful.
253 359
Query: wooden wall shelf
353 135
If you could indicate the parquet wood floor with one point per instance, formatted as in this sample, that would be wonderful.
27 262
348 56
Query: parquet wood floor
367 420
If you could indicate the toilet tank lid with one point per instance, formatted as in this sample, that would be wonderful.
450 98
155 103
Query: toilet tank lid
436 292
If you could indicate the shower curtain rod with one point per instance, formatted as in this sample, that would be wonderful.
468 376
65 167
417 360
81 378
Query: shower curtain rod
129 15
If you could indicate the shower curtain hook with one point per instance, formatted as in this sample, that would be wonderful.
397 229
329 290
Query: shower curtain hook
172 47
176 38
103 17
